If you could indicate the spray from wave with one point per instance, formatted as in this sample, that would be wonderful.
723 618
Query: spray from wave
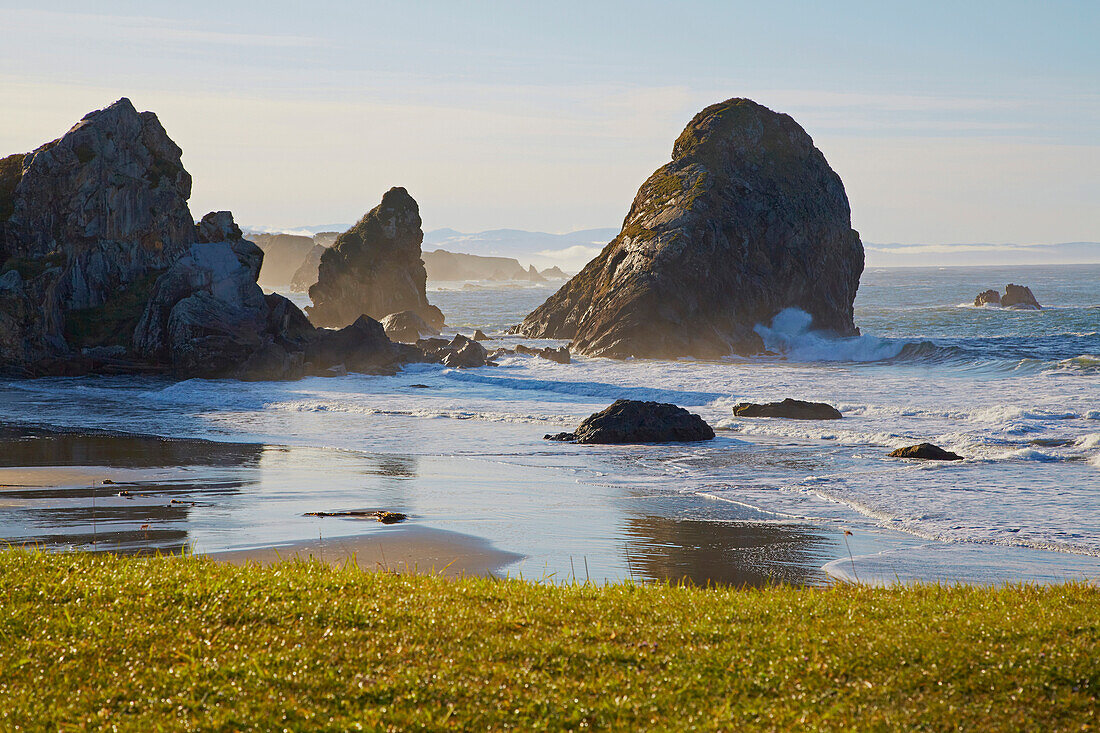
790 334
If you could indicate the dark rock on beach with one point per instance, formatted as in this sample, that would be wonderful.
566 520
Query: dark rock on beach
747 220
479 335
632 421
788 408
374 268
925 451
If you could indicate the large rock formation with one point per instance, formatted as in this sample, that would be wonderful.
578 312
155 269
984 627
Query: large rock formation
86 221
103 269
748 219
374 268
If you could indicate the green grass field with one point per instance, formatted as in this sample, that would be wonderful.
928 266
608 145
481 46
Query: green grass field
98 641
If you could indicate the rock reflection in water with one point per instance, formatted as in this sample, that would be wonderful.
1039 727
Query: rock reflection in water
28 446
135 513
738 554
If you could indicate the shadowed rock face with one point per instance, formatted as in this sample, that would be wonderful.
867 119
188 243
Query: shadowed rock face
748 219
374 268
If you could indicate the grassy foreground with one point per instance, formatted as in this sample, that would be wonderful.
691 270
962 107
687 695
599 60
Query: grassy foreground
98 641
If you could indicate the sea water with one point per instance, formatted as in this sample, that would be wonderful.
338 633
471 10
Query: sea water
1017 393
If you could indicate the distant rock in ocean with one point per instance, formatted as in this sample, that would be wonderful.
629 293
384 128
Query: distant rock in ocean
374 268
633 421
1016 297
442 265
747 220
104 270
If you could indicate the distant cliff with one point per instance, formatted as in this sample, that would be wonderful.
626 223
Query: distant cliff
748 219
444 265
283 255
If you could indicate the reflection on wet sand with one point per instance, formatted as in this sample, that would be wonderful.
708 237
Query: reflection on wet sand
718 553
29 446
133 493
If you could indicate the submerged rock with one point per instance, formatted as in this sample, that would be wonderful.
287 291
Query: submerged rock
788 408
632 421
747 220
925 451
374 268
559 355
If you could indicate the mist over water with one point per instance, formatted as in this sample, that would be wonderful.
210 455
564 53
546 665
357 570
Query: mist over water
1015 392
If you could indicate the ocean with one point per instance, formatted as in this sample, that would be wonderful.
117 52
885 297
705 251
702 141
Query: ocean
1017 393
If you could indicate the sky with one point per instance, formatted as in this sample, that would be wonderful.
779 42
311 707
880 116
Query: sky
949 122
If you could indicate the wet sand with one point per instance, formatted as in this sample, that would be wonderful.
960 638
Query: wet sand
407 549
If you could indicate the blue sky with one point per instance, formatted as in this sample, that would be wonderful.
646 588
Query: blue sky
948 122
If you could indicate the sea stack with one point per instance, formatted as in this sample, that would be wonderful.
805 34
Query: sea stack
747 220
374 268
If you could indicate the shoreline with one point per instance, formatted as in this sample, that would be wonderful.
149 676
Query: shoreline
400 549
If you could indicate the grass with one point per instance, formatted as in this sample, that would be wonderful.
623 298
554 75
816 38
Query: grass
99 642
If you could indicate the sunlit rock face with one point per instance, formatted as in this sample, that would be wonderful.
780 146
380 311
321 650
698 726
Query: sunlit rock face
748 219
375 268
87 221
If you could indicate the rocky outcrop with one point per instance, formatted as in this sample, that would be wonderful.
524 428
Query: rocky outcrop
553 273
631 421
1016 297
788 408
747 220
104 270
306 274
283 255
374 268
925 451
207 316
407 327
